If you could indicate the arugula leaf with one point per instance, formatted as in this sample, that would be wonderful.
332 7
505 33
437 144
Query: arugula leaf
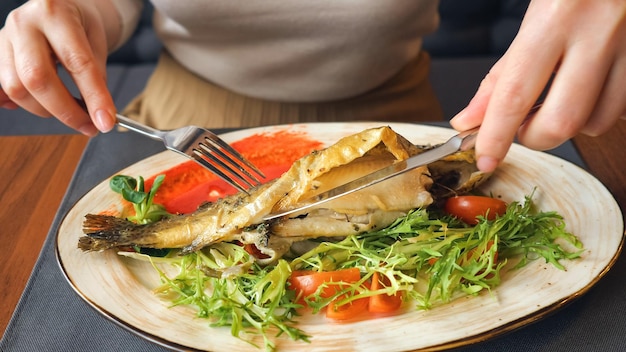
245 296
133 191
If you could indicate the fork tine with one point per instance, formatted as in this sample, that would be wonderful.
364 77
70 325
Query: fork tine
225 160
201 158
228 164
225 146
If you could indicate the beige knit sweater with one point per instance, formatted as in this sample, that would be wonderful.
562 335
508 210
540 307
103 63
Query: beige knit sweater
290 50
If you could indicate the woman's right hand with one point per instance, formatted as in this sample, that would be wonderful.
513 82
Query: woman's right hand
77 34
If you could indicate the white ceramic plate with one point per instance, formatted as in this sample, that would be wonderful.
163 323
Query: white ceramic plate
120 288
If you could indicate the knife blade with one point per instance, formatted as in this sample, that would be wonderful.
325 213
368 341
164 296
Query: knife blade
462 141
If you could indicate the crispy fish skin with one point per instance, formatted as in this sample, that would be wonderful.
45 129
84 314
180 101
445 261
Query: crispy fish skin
179 231
232 217
220 221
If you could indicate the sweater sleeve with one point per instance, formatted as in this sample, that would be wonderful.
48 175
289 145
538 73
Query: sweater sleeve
129 12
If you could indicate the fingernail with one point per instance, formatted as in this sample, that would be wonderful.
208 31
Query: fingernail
459 115
88 130
487 163
103 120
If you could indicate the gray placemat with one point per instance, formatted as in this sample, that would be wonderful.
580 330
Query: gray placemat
52 317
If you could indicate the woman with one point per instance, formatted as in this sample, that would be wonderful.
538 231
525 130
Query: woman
279 62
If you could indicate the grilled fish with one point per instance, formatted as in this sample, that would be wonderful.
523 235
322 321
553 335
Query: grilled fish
240 216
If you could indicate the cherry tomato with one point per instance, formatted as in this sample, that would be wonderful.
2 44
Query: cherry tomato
348 310
468 208
254 251
383 303
305 283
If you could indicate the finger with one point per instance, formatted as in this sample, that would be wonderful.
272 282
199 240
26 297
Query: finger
524 74
611 105
5 102
83 54
13 86
36 70
95 33
572 97
7 70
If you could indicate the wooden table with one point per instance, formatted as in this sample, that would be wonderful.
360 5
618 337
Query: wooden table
34 174
36 170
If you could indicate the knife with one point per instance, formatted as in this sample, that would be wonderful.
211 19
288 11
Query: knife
463 141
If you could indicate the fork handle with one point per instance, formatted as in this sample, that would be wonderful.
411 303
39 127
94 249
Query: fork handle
132 125
135 126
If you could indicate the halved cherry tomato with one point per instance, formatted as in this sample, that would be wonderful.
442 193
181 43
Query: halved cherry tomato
254 251
383 303
468 208
305 283
348 310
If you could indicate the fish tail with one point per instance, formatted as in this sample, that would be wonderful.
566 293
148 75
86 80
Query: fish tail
105 232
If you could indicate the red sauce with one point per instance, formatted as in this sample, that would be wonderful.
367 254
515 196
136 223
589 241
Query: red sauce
188 185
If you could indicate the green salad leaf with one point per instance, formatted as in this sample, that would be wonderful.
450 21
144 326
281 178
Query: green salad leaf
230 289
133 191
428 257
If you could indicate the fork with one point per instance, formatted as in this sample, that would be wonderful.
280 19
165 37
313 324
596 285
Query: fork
202 146
206 148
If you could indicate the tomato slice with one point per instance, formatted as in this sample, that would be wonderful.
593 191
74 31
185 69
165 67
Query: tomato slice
254 251
305 283
469 208
383 303
348 310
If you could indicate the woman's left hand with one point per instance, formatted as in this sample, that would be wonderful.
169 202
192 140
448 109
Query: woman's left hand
582 43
